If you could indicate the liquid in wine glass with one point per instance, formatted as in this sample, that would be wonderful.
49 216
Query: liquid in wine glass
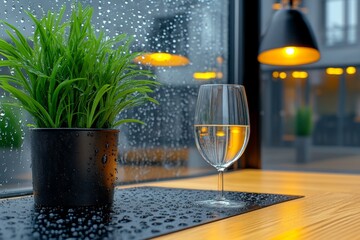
221 145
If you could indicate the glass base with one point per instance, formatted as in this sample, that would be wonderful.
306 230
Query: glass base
224 203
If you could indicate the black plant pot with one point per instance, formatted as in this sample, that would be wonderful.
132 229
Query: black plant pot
73 167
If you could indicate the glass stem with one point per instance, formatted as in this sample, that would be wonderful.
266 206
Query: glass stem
220 196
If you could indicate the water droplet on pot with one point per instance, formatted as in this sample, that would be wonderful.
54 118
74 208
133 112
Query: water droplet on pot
104 159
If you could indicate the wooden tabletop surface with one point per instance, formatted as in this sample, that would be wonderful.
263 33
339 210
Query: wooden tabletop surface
329 210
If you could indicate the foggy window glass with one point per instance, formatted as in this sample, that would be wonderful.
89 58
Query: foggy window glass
164 146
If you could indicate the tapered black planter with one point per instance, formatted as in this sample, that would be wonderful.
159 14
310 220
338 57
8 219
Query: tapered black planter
73 167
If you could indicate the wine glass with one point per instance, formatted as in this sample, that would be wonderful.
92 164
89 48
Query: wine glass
222 131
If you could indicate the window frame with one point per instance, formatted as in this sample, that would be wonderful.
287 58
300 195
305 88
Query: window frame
244 68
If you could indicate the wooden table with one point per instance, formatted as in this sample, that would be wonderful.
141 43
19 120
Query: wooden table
329 210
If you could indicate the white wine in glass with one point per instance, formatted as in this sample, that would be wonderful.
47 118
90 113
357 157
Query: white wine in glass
222 131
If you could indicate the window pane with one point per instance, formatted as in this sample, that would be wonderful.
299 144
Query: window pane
352 21
14 147
334 21
164 146
352 109
326 103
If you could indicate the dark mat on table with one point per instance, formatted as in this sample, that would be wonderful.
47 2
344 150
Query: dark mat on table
137 213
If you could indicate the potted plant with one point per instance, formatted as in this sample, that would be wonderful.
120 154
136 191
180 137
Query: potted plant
74 82
303 130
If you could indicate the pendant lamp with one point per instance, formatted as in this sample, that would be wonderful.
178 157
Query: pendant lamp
289 40
168 43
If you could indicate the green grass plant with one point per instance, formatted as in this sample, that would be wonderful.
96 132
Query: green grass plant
67 75
303 121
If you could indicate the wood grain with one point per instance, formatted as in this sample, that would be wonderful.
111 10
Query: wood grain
329 210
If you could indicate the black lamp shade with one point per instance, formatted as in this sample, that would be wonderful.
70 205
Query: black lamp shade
289 40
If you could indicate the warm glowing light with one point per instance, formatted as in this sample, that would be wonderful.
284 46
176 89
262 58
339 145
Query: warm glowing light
299 74
351 70
235 130
282 75
162 60
236 141
289 56
220 60
160 57
220 133
289 50
334 71
277 6
204 75
204 129
275 74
